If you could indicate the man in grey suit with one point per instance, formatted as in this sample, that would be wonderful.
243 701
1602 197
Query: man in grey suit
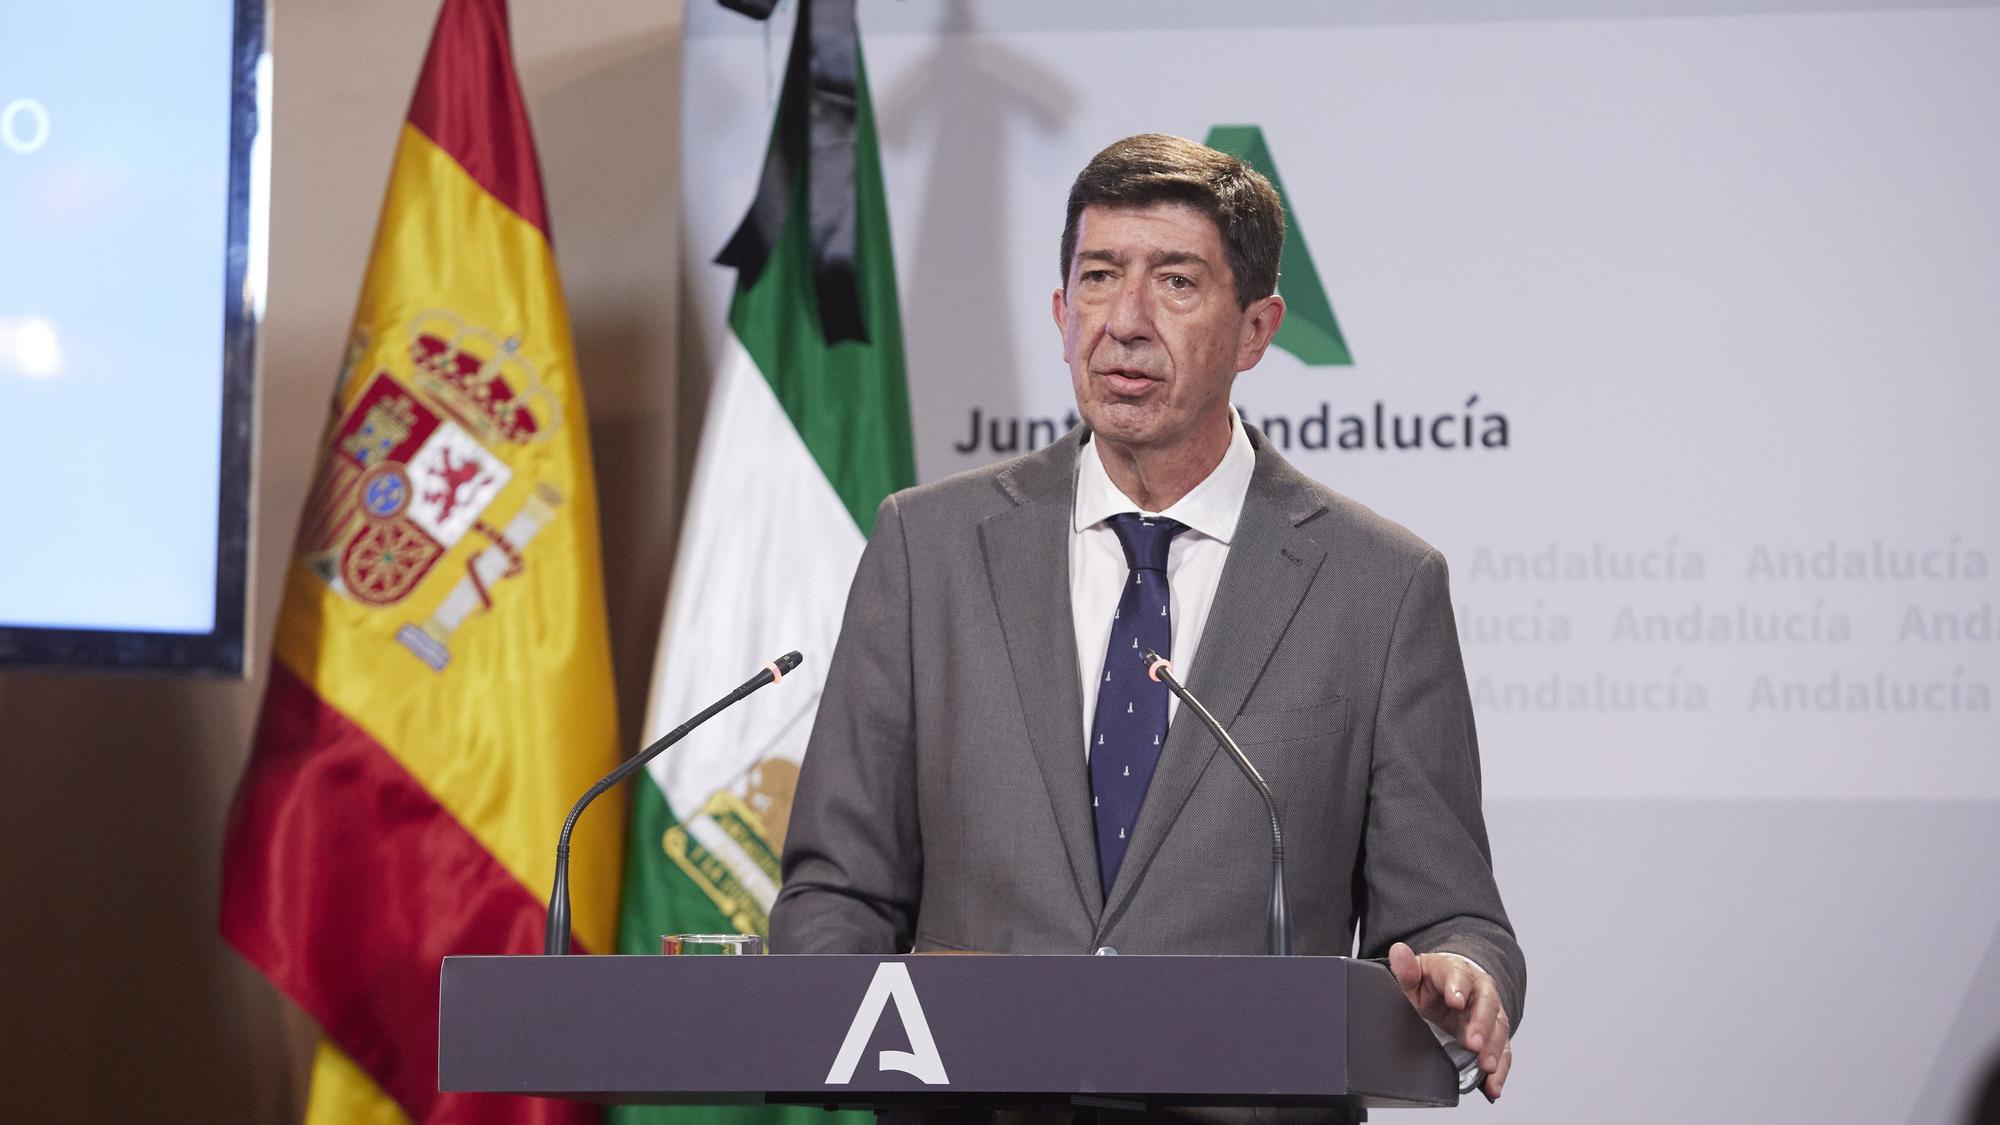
991 770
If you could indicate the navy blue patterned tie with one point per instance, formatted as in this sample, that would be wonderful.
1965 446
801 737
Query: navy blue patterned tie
1131 706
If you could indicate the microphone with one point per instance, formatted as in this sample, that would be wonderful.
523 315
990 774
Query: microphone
1281 918
555 940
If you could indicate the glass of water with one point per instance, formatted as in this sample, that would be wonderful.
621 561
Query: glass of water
710 945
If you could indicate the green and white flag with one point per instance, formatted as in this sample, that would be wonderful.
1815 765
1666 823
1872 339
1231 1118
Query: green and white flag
802 440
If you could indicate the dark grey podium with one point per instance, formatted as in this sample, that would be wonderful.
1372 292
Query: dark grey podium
938 1030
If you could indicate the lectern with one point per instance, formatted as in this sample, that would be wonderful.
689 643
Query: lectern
992 1031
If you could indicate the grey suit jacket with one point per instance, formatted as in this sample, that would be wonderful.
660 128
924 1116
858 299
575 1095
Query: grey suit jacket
944 802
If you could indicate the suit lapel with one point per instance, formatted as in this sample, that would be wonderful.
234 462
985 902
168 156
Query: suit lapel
1271 564
1027 563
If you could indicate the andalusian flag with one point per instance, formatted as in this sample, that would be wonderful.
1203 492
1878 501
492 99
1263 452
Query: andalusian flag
440 690
802 440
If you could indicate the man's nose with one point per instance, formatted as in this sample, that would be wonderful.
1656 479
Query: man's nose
1131 316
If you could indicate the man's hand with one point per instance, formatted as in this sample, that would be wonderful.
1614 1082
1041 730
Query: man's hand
1457 995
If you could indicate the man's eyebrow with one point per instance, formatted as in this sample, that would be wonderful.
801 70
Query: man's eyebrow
1153 261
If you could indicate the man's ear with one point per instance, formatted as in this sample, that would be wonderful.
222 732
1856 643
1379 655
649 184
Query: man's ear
1059 309
1260 325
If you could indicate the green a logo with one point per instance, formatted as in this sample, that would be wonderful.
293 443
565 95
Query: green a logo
1310 330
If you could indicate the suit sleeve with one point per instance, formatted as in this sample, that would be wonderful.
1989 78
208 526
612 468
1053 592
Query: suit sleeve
853 859
1426 874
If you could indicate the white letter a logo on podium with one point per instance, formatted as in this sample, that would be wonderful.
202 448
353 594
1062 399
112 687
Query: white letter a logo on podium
892 982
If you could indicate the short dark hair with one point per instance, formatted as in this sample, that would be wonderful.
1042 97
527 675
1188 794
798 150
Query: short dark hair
1156 168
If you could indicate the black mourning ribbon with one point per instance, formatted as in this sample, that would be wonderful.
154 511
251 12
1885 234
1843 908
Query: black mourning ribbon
813 136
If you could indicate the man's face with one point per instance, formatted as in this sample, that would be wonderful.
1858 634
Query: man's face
1151 329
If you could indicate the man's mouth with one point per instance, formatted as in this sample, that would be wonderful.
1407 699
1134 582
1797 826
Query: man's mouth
1125 381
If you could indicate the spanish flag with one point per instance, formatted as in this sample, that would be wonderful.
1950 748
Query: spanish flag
440 686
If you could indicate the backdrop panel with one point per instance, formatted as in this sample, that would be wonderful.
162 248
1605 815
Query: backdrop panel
1668 329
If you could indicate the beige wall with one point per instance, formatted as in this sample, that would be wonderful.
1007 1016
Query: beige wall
118 1002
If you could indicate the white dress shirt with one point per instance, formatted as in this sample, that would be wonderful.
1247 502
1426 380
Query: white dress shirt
1097 570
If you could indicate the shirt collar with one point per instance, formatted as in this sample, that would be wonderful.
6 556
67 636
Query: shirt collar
1210 508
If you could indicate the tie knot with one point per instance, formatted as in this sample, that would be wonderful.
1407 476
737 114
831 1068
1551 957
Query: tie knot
1145 539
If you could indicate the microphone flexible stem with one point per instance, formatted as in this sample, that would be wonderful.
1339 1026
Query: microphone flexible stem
555 938
1281 922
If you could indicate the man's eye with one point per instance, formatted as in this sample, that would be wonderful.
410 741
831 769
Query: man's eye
1097 275
1179 281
